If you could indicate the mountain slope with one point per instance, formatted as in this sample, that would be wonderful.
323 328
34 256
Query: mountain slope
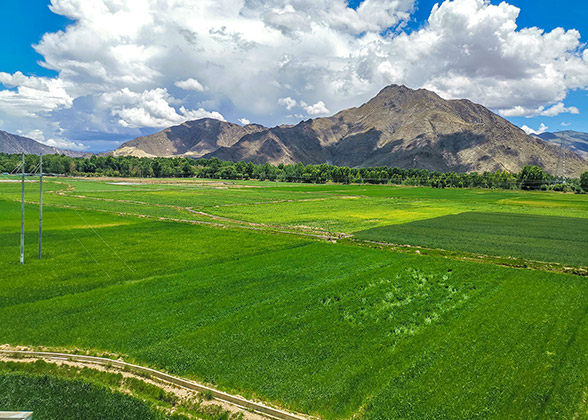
572 140
11 143
399 127
405 128
192 138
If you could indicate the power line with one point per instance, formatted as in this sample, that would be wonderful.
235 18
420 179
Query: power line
80 242
102 239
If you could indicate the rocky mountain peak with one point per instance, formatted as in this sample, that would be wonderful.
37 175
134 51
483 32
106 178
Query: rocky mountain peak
398 127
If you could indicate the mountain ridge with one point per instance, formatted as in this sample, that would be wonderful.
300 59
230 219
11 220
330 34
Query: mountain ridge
398 127
14 144
576 141
192 139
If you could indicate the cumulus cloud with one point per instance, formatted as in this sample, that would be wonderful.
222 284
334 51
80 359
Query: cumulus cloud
66 144
288 102
254 57
475 50
542 129
60 143
190 84
560 108
151 108
244 121
32 95
316 109
291 17
37 135
552 111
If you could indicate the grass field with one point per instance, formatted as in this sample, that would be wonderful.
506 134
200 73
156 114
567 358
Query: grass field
54 398
334 330
536 237
68 391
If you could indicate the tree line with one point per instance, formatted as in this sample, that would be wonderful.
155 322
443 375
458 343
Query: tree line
530 178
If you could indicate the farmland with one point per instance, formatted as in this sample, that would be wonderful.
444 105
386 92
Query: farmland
234 285
498 234
64 390
54 398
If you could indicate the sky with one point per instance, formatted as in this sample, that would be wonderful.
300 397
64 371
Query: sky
89 75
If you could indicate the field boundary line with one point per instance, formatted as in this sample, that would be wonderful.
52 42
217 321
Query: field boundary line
183 383
235 225
497 260
239 223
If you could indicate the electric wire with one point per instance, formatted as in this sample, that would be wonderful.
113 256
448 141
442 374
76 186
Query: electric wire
102 239
80 242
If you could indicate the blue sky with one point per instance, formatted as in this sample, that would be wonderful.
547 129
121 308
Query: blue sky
115 70
24 23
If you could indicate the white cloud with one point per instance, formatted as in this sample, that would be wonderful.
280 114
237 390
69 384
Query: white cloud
33 134
560 108
565 124
288 102
33 95
60 143
244 121
151 108
190 84
316 109
66 144
542 129
553 111
253 57
291 17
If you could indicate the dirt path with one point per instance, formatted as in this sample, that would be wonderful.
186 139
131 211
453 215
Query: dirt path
217 221
183 388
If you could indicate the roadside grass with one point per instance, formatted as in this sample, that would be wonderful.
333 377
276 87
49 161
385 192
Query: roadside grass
540 238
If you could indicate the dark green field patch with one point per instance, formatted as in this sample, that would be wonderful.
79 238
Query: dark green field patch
52 398
57 392
541 238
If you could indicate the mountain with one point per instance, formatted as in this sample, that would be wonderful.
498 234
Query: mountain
11 143
192 138
398 127
573 140
405 128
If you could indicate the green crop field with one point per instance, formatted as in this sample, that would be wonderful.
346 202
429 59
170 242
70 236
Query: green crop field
53 398
71 392
223 283
544 238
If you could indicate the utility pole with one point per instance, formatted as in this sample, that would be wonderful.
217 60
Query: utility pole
41 207
564 161
22 212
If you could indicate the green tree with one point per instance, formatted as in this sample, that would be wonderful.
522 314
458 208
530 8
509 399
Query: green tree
532 177
584 181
